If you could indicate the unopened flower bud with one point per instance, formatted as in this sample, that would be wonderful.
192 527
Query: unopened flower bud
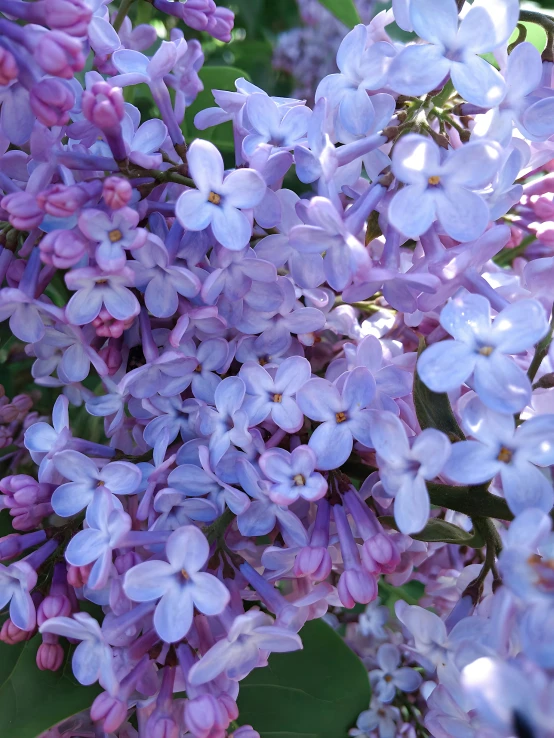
204 715
49 656
314 562
117 192
103 105
108 710
8 67
53 606
62 249
51 101
245 731
23 209
11 634
71 16
59 54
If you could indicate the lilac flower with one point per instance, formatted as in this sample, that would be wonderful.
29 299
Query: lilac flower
293 475
16 582
372 620
481 349
177 510
500 448
279 126
442 189
403 470
522 104
343 415
113 235
44 441
456 51
107 527
389 676
118 477
263 514
228 422
250 639
363 66
382 718
219 200
173 416
178 584
94 289
161 280
273 393
92 659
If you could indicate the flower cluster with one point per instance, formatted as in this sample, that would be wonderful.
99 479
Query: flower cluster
302 395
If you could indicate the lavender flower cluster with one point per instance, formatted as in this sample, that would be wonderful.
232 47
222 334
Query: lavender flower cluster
302 395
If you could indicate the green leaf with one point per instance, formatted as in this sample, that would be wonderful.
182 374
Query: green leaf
314 693
440 531
433 409
344 10
213 78
33 701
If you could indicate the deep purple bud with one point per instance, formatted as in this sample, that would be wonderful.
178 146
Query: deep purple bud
220 24
53 606
103 105
204 715
313 562
111 356
59 54
23 210
50 656
20 483
62 249
117 192
161 726
51 101
13 544
71 16
109 710
8 67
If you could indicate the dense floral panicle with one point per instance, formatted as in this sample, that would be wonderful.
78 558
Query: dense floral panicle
290 375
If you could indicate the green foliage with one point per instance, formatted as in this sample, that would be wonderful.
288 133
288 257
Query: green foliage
411 592
433 410
344 10
32 701
314 693
440 531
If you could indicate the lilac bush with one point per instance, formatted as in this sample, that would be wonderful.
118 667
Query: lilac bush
309 377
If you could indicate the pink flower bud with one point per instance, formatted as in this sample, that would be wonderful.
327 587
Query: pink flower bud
204 715
78 576
11 634
51 101
62 249
103 105
71 16
314 562
108 710
8 67
230 705
59 54
108 326
23 210
50 656
117 192
53 606
111 356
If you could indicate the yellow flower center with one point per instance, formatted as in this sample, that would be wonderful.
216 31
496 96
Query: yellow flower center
277 397
486 350
299 480
434 180
340 417
214 198
115 235
504 455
